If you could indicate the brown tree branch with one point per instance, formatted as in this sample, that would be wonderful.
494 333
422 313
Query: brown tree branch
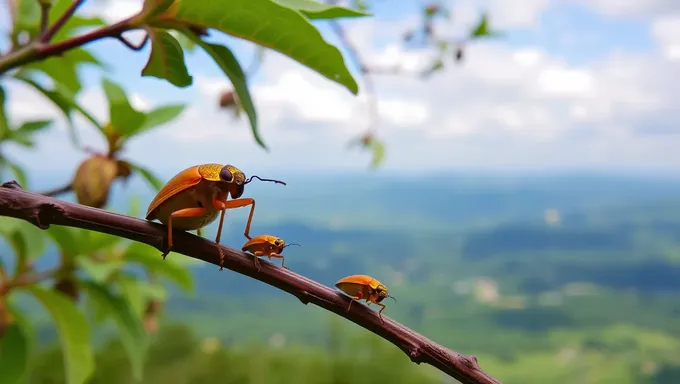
49 34
43 211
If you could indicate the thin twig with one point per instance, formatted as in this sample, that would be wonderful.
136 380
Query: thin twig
134 47
28 279
61 21
43 211
58 191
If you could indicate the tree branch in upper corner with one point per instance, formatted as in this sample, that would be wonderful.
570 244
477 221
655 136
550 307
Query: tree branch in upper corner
43 211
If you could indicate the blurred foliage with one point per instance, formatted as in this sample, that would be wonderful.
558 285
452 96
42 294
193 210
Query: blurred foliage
99 280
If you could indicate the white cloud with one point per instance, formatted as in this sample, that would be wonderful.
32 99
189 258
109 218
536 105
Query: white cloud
504 106
666 30
630 8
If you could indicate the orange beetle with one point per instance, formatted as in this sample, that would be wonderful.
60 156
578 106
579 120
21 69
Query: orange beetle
363 287
194 197
266 245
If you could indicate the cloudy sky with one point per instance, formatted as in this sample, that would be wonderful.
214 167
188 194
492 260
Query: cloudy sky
574 84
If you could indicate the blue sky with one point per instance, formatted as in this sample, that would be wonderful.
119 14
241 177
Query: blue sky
574 84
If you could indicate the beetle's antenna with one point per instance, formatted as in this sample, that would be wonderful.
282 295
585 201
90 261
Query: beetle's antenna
261 179
289 244
392 297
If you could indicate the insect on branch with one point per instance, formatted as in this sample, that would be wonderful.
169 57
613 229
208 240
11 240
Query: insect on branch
44 211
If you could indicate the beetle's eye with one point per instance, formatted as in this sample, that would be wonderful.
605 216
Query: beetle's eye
225 174
278 242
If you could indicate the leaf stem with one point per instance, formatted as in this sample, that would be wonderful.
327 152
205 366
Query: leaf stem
47 36
135 47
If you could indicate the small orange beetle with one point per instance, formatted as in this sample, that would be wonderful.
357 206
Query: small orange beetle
194 197
363 287
266 245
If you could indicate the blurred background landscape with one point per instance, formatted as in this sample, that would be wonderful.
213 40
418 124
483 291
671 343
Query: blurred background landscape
525 209
561 278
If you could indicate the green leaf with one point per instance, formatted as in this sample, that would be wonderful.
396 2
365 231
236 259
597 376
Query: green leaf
14 351
166 60
19 174
378 150
230 66
316 10
97 270
27 241
124 118
74 333
482 28
92 242
64 69
138 292
150 258
24 134
148 175
26 18
64 101
67 239
185 42
133 336
269 24
160 116
153 8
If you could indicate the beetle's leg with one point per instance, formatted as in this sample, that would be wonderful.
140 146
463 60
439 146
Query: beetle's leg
186 212
221 206
198 232
380 311
244 202
357 297
257 259
276 255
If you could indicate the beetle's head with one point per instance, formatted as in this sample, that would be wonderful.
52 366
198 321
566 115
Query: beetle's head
235 178
279 243
381 291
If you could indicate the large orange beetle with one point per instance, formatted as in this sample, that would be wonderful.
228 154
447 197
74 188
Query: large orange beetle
194 197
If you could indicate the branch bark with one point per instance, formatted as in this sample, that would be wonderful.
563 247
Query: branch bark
43 211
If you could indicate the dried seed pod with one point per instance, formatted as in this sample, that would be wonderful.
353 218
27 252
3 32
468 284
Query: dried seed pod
93 179
228 99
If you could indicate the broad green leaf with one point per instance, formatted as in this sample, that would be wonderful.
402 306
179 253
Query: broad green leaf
97 270
138 292
26 18
269 24
153 8
133 336
34 126
14 352
9 224
150 258
135 208
230 66
27 241
64 101
378 149
74 334
97 241
166 60
67 239
187 44
24 134
4 124
19 174
148 175
64 69
124 118
160 116
316 10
